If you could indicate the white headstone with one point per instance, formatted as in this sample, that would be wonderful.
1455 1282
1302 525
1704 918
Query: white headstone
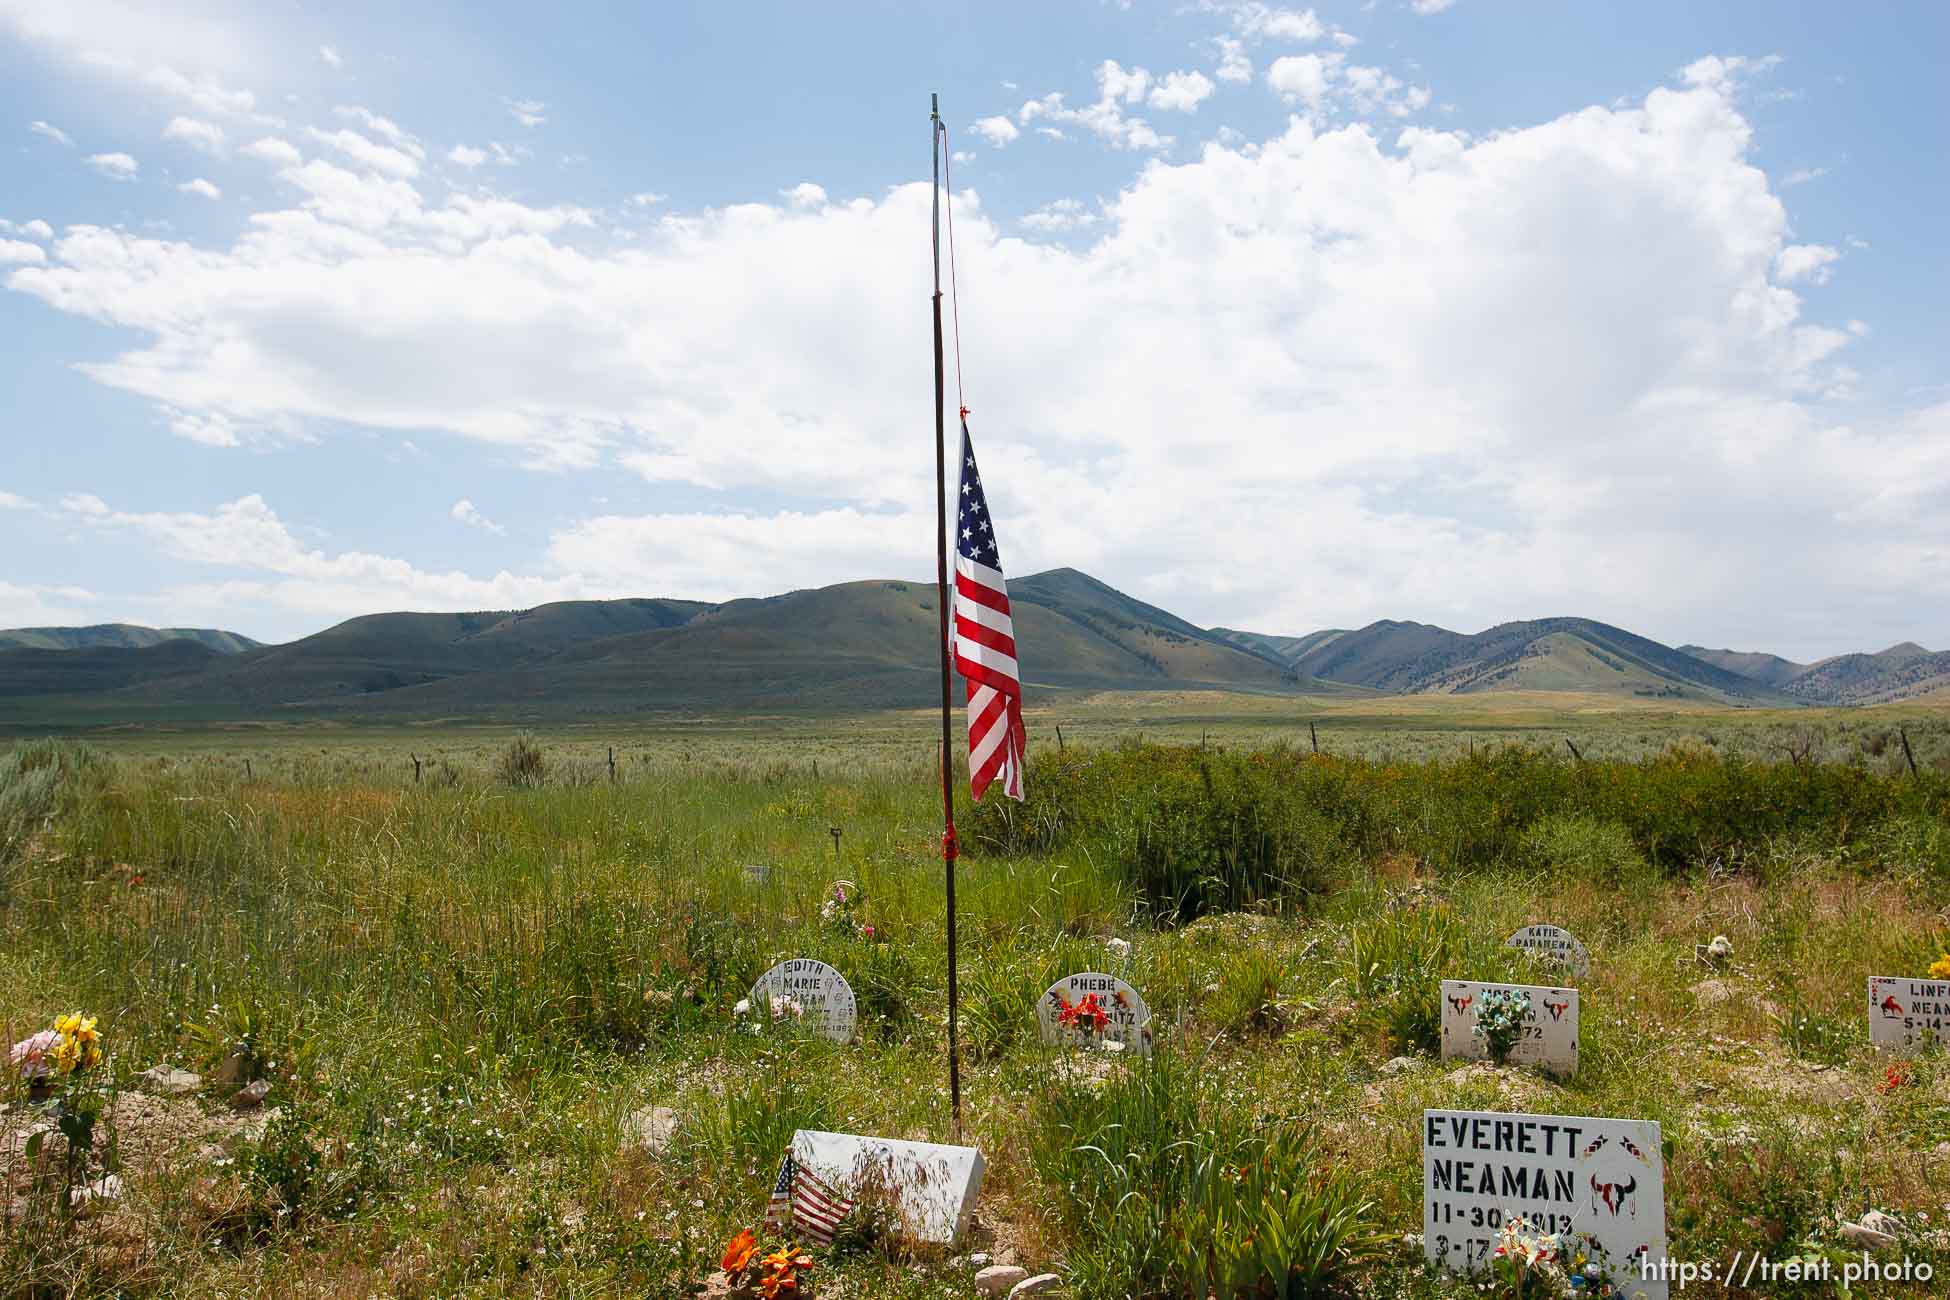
810 992
1550 1030
1556 943
1905 1014
1597 1183
1094 1010
934 1187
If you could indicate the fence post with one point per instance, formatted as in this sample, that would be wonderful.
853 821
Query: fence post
1909 755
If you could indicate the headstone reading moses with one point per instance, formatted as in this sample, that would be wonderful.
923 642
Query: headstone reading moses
1550 1028
1557 943
1095 1010
1599 1184
932 1187
807 991
1905 1014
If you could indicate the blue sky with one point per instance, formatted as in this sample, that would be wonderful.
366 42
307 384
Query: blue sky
1280 317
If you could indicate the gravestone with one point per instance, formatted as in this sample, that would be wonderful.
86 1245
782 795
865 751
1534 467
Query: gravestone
1597 1183
1556 943
1095 1010
933 1187
1550 1030
1905 1014
822 995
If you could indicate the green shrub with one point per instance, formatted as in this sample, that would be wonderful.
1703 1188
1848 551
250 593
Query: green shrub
522 763
1396 964
1585 848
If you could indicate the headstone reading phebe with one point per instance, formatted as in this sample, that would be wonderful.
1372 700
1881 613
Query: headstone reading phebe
1550 1029
809 992
1095 1010
1556 943
1599 1184
932 1187
1904 1014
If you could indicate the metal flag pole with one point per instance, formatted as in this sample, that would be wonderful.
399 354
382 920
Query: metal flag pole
948 846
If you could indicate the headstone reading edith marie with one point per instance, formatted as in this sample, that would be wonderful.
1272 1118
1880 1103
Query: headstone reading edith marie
1598 1184
1904 1014
1095 1010
809 992
1550 1029
1556 943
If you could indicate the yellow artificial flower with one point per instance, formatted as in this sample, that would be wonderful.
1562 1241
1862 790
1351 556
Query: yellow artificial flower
1940 968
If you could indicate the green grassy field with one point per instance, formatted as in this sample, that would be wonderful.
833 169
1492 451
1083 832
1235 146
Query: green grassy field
459 990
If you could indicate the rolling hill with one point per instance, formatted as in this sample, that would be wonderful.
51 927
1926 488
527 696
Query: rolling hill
1902 672
820 649
124 636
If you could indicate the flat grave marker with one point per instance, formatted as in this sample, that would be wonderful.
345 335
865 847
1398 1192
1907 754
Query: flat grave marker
1597 1183
1554 942
1092 1009
823 997
1550 1031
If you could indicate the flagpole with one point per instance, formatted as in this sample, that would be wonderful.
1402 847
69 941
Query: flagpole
948 846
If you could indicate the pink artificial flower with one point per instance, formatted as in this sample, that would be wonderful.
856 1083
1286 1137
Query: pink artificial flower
33 1057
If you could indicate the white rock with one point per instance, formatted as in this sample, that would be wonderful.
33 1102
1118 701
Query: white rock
1399 1065
1888 1224
251 1094
168 1081
1037 1285
650 1129
980 1259
1857 1234
999 1279
108 1187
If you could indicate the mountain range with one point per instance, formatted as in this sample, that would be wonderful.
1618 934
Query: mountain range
839 646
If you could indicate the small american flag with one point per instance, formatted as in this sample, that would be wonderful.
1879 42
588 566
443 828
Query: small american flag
985 642
802 1199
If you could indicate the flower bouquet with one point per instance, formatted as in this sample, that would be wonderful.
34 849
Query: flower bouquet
748 1273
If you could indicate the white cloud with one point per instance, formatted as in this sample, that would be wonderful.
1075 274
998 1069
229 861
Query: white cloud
962 156
18 252
273 150
207 136
10 501
379 157
465 512
1324 83
1062 215
467 156
1544 370
1105 119
805 195
52 132
400 139
201 187
1272 22
1802 175
116 166
998 131
1726 73
528 112
1234 66
202 92
84 503
330 56
35 229
1427 7
1180 92
648 199
1810 262
45 605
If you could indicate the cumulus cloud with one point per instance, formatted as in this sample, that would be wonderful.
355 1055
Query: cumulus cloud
1234 66
1106 119
207 136
1306 380
330 56
465 512
51 131
367 152
998 131
115 166
1327 82
1427 7
805 195
1810 262
1062 215
18 252
1802 175
467 156
1181 92
201 187
270 149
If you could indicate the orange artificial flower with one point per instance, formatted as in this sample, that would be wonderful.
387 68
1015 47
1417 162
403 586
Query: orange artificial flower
739 1253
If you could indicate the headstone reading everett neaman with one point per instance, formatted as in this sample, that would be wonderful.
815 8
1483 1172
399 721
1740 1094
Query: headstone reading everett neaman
1550 1029
1095 1010
808 992
1599 1184
1556 943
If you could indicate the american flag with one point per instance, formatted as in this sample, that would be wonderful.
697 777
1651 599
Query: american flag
985 641
802 1199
